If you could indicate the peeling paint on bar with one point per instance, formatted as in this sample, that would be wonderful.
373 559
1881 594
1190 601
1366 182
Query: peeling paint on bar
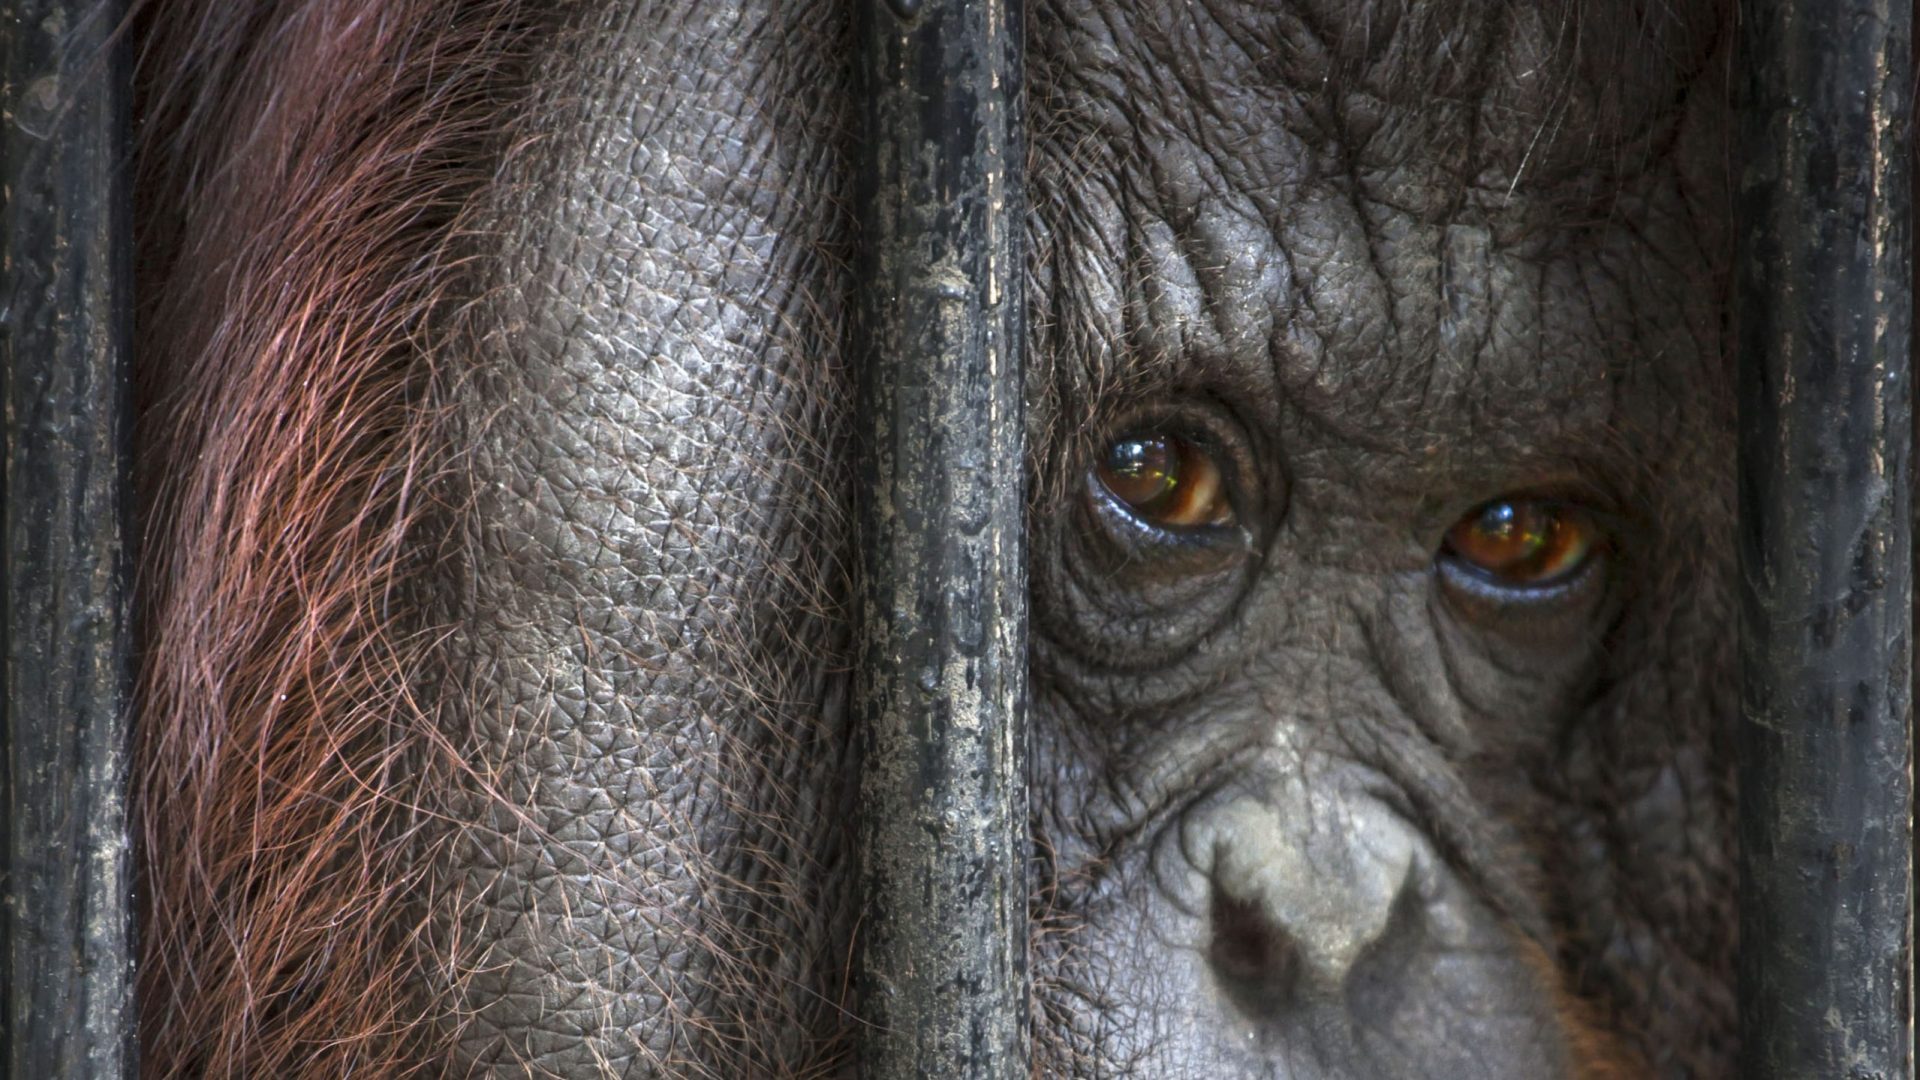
66 958
942 963
1824 303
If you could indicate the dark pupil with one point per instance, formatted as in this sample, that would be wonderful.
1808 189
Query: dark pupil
1498 521
1141 470
1517 534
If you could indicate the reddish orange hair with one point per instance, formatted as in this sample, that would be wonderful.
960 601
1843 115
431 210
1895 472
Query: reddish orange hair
304 170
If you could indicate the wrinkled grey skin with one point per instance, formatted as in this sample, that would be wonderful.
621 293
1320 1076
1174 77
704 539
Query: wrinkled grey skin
1315 803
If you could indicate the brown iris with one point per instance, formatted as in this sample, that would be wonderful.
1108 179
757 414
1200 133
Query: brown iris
1166 481
1522 542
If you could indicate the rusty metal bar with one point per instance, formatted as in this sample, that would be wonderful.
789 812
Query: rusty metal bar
1823 303
66 954
942 690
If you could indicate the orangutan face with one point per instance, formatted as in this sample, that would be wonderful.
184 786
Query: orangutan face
1380 544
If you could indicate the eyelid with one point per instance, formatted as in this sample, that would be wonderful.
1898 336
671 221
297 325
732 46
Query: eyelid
1232 534
1485 600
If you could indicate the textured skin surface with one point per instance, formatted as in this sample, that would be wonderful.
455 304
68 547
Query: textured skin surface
656 691
1420 260
1309 805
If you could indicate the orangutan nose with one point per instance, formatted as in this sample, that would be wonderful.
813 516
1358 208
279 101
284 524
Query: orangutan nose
1301 905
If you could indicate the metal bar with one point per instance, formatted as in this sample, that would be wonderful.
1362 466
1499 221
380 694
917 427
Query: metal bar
65 932
1823 303
941 697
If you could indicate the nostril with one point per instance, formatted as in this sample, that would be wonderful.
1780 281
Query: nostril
1256 961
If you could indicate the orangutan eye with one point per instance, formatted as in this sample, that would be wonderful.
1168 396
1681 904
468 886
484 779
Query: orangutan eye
1524 543
1166 481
